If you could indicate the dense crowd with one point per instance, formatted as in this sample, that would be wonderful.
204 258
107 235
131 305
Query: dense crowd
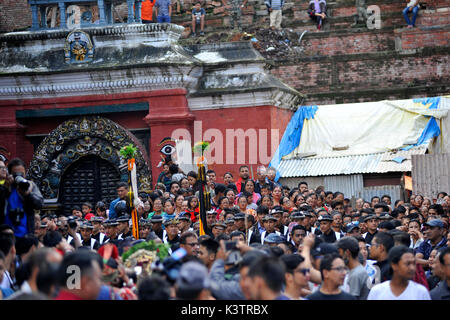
262 241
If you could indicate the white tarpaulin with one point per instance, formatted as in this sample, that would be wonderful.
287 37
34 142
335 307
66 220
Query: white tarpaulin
371 127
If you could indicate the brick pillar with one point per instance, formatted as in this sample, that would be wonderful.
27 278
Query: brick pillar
168 111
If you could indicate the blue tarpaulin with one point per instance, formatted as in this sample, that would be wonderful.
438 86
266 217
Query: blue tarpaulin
432 128
292 134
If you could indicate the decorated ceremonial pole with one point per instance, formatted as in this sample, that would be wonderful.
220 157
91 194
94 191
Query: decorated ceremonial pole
204 196
129 154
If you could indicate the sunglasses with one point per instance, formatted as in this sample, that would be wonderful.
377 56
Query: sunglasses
304 271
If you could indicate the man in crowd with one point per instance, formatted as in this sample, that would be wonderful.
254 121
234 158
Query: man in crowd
189 242
89 282
207 251
357 279
19 199
379 249
198 19
401 286
267 277
333 271
434 235
296 276
163 11
122 190
372 227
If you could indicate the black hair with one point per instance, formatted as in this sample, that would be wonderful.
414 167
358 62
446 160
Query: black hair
396 253
24 244
374 197
15 163
122 185
220 188
415 209
349 243
381 205
244 166
262 210
87 204
386 196
386 225
442 253
153 288
368 211
292 261
335 203
271 270
185 235
172 183
302 182
229 173
400 237
192 174
209 170
298 227
250 218
211 245
221 199
223 236
385 239
438 208
327 262
237 233
6 242
173 168
52 238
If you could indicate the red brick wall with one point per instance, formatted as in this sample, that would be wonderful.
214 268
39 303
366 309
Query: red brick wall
417 38
349 43
385 72
14 14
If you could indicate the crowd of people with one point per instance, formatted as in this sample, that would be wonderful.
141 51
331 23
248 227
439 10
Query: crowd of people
262 241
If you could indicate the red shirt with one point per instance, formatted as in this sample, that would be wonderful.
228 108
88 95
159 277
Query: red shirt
89 216
66 295
192 213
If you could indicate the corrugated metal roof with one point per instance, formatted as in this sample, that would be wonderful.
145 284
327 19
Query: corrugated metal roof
431 174
353 164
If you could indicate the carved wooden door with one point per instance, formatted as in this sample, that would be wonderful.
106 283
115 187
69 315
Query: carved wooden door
89 179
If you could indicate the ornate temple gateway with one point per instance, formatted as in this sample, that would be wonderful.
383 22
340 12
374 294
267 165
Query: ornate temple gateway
70 99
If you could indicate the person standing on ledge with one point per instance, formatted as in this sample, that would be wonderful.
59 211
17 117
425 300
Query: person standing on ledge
163 11
147 11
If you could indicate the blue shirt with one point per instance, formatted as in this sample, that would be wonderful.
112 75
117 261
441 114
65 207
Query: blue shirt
163 7
426 247
112 212
198 14
14 203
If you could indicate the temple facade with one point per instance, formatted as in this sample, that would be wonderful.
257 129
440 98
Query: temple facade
70 99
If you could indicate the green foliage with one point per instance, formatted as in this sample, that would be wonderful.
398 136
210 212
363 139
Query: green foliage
200 147
162 250
128 152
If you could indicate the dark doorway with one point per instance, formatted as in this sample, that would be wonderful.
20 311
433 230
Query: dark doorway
90 179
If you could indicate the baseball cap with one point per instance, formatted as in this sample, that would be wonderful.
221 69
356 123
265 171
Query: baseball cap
273 238
434 223
193 276
324 248
351 226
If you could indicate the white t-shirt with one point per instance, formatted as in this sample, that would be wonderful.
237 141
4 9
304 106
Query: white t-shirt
413 291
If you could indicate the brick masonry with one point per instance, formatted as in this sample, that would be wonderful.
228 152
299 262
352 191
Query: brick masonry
338 61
